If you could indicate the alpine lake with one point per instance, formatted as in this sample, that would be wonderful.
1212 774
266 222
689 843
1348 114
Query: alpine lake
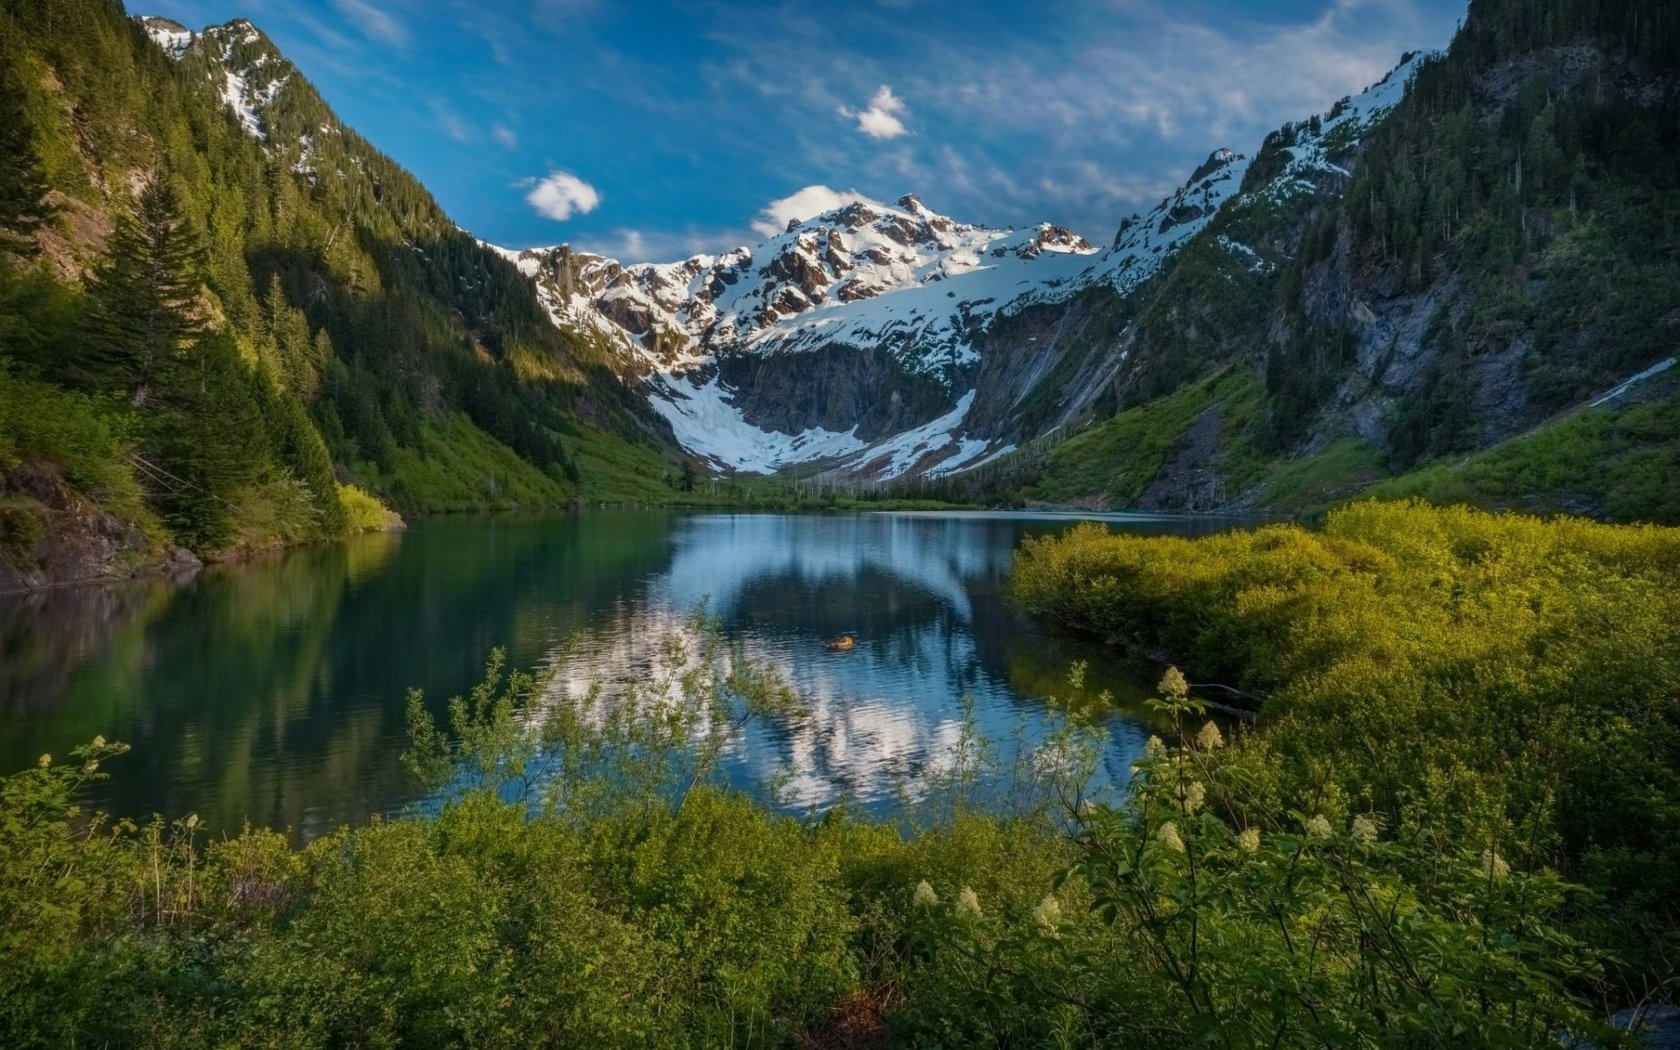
274 691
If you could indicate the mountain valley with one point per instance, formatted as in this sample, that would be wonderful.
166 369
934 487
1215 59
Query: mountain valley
1396 285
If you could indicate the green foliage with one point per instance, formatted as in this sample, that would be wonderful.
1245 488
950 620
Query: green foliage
84 437
1620 464
364 513
1301 371
23 183
454 466
584 879
1533 657
21 529
146 299
1318 479
1118 459
1175 924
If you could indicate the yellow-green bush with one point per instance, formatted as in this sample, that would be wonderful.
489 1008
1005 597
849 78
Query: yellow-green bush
364 513
1466 674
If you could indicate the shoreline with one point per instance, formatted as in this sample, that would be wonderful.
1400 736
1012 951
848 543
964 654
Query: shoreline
171 565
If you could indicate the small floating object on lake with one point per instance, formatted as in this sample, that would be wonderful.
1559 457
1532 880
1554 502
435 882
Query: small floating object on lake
842 644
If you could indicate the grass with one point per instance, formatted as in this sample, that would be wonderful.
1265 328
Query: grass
616 470
461 468
1620 464
1344 467
1115 461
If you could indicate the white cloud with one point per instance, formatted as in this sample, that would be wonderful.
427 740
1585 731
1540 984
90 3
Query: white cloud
881 119
562 195
450 122
504 135
635 246
373 22
803 204
1098 116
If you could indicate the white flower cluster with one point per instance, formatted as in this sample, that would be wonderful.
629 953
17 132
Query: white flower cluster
1365 829
1048 914
1191 797
1169 836
1210 738
925 897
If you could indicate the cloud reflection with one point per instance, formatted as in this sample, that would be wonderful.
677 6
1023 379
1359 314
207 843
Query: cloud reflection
882 719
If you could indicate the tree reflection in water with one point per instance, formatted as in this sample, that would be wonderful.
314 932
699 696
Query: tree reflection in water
273 691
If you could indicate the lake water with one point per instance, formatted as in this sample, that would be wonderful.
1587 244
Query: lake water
275 691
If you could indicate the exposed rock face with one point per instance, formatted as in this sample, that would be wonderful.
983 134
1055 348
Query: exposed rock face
1188 481
834 388
1400 333
835 299
51 534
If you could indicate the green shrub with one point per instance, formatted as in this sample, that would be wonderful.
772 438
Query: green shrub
1464 673
364 513
21 528
82 435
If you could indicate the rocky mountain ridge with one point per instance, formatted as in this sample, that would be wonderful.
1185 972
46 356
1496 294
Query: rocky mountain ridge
853 340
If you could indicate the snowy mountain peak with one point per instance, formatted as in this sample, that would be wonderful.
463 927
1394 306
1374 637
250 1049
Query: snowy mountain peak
1219 158
862 274
168 34
246 68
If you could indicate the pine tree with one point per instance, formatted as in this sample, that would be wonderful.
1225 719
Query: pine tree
302 449
23 183
205 442
146 298
292 341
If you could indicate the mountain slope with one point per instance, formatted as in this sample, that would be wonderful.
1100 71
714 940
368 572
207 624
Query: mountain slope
1504 246
858 338
377 342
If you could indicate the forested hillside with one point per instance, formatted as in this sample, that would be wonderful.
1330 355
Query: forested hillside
214 341
1502 248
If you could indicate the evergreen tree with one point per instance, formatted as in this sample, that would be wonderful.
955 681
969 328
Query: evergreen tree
146 298
302 449
205 442
23 184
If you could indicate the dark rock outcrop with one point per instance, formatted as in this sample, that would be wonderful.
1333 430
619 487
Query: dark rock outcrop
51 534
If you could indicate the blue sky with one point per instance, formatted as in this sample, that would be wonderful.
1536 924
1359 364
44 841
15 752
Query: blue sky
658 128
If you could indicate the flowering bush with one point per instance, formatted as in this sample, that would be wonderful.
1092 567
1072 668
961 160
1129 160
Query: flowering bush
1194 929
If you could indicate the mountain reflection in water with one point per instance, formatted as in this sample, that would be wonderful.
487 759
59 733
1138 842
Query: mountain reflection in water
274 691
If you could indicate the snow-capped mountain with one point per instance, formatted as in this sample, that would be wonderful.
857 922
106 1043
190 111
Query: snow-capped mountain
838 277
899 279
248 71
853 339
896 281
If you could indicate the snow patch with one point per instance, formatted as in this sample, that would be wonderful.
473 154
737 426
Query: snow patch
707 424
174 39
1632 381
911 446
236 94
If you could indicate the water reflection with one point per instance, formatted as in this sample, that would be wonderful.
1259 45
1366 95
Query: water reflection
274 691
